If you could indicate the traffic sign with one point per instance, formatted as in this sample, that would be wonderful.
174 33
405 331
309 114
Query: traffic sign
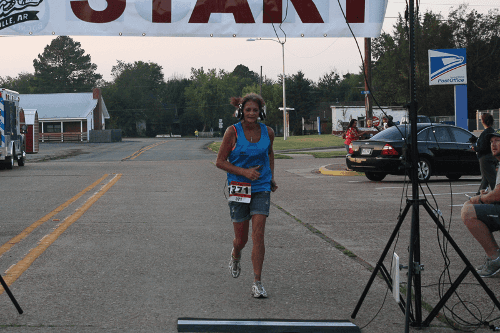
365 92
376 121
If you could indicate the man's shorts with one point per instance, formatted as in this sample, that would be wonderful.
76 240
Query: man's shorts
259 204
489 215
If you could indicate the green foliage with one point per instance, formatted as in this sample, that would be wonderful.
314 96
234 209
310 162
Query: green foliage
136 95
64 67
272 94
174 99
300 97
478 33
24 83
208 97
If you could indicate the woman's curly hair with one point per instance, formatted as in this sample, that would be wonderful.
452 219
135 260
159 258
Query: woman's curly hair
239 102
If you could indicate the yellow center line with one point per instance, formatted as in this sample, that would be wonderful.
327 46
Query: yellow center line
15 271
7 246
142 150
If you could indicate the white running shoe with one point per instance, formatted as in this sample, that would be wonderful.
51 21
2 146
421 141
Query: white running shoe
234 265
258 290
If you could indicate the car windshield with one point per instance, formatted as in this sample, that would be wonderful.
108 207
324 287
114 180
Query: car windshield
392 133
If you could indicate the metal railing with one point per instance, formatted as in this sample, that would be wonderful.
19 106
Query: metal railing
63 137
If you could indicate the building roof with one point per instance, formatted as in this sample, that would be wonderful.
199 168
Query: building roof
30 116
61 106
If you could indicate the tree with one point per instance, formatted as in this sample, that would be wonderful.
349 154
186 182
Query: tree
478 33
328 87
175 99
137 95
209 95
272 93
245 77
24 83
64 67
300 96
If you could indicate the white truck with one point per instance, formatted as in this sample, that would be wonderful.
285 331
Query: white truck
12 130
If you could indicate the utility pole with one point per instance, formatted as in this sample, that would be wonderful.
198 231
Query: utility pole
368 79
260 81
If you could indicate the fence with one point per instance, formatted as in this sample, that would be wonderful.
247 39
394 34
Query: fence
62 137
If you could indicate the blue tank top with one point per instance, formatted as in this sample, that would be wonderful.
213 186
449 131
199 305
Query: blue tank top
247 154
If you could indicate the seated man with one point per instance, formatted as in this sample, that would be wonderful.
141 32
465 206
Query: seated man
481 216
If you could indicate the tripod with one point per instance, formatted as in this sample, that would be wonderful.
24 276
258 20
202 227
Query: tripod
415 267
11 296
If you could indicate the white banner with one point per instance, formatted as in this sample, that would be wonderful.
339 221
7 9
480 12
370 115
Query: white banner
192 18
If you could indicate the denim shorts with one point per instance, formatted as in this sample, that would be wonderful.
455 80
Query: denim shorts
258 205
489 215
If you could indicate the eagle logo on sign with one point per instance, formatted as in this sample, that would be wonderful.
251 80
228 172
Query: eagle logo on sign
8 6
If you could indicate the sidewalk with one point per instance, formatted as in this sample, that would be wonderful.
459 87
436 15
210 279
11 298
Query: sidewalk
337 169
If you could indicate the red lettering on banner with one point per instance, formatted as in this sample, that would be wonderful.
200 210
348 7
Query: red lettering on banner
355 11
239 8
84 12
306 9
273 11
162 11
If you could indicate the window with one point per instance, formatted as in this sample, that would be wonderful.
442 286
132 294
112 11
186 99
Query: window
52 128
461 135
440 134
424 135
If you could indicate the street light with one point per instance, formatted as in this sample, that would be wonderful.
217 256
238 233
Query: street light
285 127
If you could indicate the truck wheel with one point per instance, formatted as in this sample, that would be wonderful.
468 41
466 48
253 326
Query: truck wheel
20 159
9 162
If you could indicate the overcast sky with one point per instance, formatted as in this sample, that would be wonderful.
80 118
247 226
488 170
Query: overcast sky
313 56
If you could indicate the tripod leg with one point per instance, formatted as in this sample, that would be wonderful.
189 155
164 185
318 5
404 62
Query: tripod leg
413 271
381 260
12 298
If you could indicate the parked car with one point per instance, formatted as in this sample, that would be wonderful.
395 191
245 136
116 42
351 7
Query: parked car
442 149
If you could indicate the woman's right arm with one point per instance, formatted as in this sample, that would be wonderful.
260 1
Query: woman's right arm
228 142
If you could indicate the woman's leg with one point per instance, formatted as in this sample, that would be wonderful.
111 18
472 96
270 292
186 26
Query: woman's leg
240 237
259 249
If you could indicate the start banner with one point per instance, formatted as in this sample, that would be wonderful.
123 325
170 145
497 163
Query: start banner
193 18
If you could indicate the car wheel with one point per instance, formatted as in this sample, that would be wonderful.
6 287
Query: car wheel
375 176
453 177
424 170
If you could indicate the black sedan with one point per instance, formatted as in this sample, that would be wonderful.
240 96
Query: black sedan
442 149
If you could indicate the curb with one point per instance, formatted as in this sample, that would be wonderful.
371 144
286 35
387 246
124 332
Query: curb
325 171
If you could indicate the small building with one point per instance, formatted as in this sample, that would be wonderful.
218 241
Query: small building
67 116
32 132
342 114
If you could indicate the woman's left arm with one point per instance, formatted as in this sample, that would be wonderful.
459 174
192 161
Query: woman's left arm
270 131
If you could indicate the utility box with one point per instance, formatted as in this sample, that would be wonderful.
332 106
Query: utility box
105 136
32 131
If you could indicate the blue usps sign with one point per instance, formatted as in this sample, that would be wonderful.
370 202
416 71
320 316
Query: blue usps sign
447 66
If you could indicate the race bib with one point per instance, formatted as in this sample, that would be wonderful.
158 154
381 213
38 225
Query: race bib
240 192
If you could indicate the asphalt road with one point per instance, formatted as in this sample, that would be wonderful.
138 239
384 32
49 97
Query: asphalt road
131 236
